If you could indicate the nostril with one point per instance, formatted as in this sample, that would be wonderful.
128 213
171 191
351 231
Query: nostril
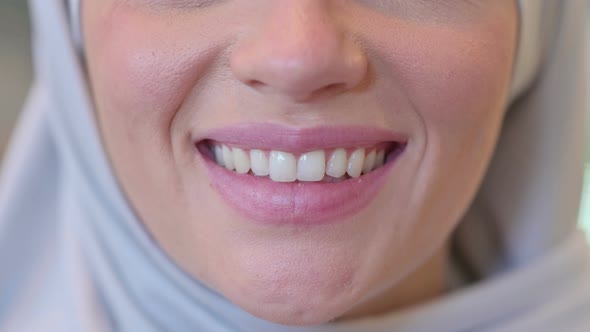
301 94
333 88
328 90
254 83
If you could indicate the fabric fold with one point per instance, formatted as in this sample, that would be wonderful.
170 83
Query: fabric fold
76 258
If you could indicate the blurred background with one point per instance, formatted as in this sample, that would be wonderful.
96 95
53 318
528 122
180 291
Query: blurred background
15 64
16 75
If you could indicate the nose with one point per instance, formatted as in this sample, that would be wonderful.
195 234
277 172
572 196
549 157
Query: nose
300 53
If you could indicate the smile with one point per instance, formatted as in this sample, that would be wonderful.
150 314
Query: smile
281 176
324 165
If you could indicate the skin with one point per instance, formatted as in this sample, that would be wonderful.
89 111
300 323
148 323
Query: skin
437 71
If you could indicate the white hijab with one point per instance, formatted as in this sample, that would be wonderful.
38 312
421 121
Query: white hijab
74 257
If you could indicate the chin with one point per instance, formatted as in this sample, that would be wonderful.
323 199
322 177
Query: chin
301 309
295 289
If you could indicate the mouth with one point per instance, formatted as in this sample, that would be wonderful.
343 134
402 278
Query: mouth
281 176
322 165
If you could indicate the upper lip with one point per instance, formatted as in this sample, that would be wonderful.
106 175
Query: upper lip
300 140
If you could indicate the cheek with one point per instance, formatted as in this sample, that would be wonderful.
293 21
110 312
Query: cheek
464 84
461 99
452 77
461 87
463 79
141 69
455 82
142 66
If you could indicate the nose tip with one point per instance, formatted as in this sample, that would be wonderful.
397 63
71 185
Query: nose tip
301 58
301 74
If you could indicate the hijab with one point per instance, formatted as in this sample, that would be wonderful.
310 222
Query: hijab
74 257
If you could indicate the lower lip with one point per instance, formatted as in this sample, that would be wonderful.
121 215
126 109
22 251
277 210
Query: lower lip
264 201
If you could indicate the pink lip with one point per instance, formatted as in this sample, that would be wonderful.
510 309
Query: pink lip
299 203
299 140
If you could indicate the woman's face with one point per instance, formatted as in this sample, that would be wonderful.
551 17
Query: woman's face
350 137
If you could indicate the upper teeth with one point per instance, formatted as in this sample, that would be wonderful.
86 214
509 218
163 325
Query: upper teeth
310 166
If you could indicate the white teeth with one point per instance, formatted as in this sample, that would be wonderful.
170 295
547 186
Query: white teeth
311 166
241 161
282 166
228 158
355 163
336 166
218 155
380 159
369 162
259 163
